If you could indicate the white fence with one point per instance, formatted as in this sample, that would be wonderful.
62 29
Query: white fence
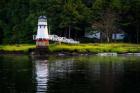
59 39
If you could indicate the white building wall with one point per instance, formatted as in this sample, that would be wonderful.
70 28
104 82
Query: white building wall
117 36
95 35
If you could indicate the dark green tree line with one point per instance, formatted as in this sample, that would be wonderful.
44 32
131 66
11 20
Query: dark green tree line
70 18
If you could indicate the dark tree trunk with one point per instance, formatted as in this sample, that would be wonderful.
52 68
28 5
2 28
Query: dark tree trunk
1 35
69 31
137 32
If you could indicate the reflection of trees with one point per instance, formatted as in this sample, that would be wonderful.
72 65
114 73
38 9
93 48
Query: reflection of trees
82 75
60 68
15 74
85 76
111 75
105 76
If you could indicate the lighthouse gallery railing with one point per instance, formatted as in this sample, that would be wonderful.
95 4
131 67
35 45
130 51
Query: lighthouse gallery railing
59 39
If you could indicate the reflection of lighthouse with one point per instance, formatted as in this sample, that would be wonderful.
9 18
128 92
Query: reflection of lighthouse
42 32
41 75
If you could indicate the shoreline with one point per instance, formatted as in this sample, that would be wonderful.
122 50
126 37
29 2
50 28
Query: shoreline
32 52
101 49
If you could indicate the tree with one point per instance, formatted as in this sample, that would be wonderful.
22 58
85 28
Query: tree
70 18
130 19
105 18
106 25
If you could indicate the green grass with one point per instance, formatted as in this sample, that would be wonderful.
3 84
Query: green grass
21 47
96 48
80 48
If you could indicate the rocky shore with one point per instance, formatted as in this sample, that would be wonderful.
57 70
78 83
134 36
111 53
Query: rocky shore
63 53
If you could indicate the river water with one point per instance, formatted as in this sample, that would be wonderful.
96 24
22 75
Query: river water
85 74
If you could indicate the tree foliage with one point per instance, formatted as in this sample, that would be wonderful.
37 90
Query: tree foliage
70 18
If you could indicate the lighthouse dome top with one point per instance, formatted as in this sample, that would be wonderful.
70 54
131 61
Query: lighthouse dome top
42 17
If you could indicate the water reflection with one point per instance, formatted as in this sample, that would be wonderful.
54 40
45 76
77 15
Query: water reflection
78 75
60 68
110 77
16 74
41 71
90 74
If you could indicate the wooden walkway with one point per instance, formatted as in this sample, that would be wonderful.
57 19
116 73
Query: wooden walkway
59 39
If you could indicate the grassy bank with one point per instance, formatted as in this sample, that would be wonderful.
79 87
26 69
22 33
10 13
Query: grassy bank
80 48
18 47
96 48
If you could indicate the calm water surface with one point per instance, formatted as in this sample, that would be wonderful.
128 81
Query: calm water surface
89 74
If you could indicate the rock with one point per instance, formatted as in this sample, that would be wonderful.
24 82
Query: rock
136 54
107 54
61 54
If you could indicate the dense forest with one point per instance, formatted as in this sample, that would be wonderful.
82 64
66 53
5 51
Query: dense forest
70 18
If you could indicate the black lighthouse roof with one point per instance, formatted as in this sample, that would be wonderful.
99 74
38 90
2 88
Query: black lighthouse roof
42 17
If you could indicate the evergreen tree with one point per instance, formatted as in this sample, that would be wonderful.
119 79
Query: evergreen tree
70 18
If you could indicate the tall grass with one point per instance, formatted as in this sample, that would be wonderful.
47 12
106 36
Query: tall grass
79 48
20 47
96 48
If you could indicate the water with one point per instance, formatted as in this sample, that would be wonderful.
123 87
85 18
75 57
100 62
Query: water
89 74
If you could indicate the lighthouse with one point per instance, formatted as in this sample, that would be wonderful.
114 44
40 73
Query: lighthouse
42 37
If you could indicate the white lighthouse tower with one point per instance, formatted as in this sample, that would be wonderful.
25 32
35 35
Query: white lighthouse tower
42 37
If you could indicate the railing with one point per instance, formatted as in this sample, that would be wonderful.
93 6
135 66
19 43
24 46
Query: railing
60 39
34 37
